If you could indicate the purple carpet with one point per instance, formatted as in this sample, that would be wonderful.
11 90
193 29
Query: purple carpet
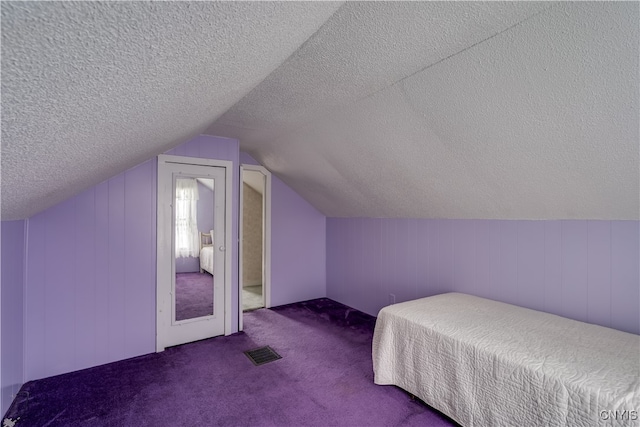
194 295
324 378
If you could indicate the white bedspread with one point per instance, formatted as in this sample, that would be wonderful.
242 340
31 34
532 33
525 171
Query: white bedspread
486 363
206 258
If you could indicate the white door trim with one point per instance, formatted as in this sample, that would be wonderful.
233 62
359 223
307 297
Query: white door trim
266 241
162 259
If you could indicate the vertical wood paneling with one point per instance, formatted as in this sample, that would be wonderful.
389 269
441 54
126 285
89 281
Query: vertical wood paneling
192 149
508 274
484 283
340 252
152 230
101 273
403 279
392 243
139 256
84 278
90 264
599 272
358 277
298 262
389 260
435 284
12 310
445 254
625 275
35 298
495 260
115 270
351 267
377 299
361 276
356 260
464 248
574 269
384 271
350 272
59 307
369 269
553 266
413 258
530 287
333 274
585 270
347 291
178 151
423 260
367 255
210 151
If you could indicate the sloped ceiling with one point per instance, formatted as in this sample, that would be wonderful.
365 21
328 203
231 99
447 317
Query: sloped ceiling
399 109
90 89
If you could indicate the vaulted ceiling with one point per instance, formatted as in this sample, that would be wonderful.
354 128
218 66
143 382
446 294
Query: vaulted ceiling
375 109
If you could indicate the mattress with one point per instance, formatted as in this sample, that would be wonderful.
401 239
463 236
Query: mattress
486 363
206 258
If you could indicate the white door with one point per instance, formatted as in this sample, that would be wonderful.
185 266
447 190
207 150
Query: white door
192 256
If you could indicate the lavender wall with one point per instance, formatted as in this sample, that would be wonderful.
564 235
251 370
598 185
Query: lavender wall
205 224
91 261
12 344
585 270
298 245
90 288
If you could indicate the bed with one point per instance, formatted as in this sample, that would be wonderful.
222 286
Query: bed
206 252
486 363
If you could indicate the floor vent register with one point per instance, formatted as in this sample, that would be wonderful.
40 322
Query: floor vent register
262 355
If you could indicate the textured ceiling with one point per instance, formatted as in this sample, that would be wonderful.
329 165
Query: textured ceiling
90 89
365 47
456 110
398 109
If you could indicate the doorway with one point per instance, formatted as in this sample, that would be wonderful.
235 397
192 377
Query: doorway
193 264
255 238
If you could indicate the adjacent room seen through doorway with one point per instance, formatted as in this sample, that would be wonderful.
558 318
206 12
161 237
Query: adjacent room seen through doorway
253 189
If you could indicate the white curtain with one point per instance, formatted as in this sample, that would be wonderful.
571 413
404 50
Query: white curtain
187 236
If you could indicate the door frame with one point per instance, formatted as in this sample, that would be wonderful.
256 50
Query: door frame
164 240
266 239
